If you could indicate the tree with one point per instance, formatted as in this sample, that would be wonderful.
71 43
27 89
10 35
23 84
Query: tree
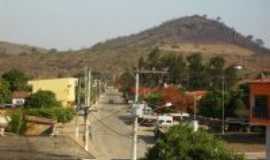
211 105
259 42
218 18
52 50
153 59
176 67
231 76
196 71
126 82
240 110
250 37
141 63
215 70
5 94
237 107
17 80
181 143
42 99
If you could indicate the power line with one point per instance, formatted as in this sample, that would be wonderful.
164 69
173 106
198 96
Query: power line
110 128
110 115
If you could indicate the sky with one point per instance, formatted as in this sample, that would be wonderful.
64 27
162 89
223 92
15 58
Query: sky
75 24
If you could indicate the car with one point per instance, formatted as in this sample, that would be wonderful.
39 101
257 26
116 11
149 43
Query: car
164 121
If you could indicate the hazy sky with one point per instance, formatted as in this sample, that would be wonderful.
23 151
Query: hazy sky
65 24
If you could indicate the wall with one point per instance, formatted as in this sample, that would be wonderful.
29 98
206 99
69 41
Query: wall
64 88
259 89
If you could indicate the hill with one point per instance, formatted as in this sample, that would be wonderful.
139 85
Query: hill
16 49
181 36
193 29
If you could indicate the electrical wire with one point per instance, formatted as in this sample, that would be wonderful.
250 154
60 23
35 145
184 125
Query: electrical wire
110 128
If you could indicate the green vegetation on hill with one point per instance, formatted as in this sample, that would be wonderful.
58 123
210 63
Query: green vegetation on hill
192 72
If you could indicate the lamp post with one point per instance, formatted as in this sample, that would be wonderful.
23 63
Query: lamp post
236 67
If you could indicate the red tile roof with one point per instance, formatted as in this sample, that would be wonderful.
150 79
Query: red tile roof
199 93
20 94
264 80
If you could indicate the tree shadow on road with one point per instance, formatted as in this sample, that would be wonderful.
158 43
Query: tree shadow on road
126 119
148 139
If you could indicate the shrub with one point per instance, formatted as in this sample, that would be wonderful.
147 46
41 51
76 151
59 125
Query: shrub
42 99
64 114
17 123
60 114
42 112
154 99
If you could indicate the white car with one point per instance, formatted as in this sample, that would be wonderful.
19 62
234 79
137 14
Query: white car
164 121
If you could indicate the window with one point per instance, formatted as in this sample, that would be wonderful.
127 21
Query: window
261 107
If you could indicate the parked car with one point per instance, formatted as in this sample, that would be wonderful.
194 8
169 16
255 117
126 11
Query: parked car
164 121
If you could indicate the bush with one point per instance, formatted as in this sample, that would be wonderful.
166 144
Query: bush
154 100
17 123
64 114
42 99
42 112
181 143
60 114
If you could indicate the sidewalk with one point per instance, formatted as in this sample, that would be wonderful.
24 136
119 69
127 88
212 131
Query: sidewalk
255 155
69 129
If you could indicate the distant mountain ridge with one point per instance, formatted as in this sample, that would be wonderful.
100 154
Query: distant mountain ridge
191 29
16 49
179 36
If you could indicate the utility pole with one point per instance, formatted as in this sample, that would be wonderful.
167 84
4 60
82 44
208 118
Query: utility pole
88 79
195 107
135 127
223 105
136 101
77 128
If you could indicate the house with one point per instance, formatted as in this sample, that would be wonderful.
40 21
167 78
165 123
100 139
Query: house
63 88
259 100
19 97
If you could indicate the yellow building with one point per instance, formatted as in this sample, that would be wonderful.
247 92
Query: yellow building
63 88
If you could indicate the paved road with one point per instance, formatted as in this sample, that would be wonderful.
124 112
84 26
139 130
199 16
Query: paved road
112 130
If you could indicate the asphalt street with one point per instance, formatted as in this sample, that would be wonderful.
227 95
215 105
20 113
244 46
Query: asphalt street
111 130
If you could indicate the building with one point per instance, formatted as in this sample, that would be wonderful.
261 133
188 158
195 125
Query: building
19 97
259 100
63 88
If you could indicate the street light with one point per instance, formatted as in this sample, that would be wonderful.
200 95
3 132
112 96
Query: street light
236 67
